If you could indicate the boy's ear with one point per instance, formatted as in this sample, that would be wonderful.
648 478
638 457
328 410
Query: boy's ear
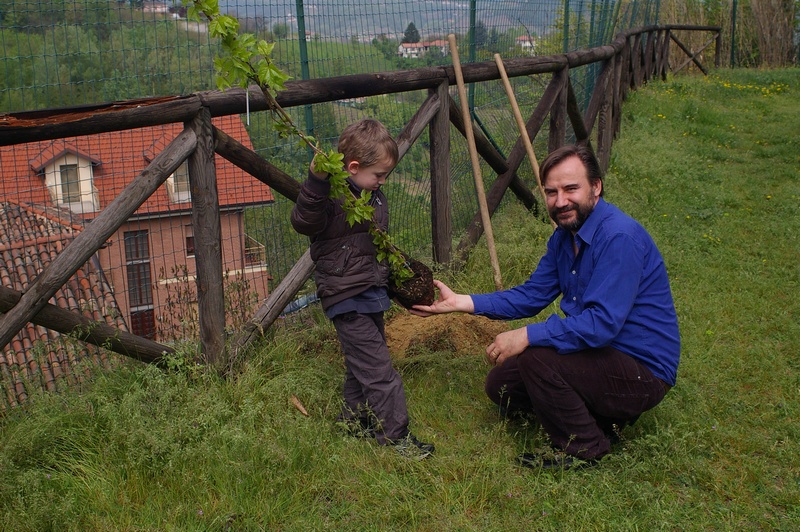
353 167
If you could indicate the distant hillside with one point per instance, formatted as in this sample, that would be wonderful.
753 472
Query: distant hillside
367 18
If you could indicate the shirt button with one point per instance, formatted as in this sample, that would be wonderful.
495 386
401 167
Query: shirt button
573 272
574 298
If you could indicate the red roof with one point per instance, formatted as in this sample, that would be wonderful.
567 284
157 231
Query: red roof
117 159
30 236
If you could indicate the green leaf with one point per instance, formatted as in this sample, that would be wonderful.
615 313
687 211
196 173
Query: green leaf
271 76
265 48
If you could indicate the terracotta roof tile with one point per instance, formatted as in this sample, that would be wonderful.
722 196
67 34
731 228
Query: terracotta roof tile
118 158
37 356
56 149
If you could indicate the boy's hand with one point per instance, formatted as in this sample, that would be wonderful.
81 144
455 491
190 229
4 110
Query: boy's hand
317 174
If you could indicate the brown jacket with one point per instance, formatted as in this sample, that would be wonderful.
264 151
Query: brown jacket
344 256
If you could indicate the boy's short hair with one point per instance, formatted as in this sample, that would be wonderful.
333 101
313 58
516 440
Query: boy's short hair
368 142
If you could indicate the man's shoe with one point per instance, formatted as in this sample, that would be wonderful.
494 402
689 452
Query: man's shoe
557 461
356 427
410 447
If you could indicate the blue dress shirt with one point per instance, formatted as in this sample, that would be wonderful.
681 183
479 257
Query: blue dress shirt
615 292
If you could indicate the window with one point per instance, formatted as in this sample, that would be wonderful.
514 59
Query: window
254 252
143 323
181 178
70 184
189 240
140 284
178 185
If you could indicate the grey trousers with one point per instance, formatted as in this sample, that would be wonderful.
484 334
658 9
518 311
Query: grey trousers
371 383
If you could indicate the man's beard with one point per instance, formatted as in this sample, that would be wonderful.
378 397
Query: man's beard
582 212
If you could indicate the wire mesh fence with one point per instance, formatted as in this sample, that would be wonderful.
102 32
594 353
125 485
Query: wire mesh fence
65 53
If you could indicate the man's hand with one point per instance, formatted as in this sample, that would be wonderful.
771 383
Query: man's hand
448 301
506 345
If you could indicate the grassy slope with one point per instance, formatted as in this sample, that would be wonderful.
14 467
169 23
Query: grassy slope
708 165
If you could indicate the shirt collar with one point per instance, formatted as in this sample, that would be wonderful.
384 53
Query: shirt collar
589 227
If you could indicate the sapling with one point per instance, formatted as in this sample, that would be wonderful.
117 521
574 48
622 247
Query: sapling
246 60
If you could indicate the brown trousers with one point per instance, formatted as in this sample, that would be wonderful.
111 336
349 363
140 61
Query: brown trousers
577 397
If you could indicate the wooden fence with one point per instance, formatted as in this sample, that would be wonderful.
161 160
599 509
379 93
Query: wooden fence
633 58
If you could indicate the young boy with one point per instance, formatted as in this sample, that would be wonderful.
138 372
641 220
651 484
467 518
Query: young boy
351 285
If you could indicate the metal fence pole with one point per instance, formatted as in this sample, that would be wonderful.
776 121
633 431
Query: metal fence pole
473 8
304 71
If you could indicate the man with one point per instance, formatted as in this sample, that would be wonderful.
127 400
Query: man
615 353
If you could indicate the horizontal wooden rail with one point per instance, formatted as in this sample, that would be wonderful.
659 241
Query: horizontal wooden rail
82 328
16 128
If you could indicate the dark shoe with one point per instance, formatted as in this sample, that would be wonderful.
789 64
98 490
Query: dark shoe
356 427
613 435
613 430
556 461
410 447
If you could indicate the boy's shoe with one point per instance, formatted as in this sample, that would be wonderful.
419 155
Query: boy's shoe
556 461
410 447
356 427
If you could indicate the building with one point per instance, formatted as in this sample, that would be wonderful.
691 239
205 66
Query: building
415 50
149 262
155 7
528 44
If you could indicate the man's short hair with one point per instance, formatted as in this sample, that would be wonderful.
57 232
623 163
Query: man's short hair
368 142
582 152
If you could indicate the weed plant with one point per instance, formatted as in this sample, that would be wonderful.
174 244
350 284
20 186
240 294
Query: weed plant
709 165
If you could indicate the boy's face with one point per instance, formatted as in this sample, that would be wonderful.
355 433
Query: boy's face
370 177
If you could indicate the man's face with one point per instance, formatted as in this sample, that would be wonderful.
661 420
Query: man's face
570 196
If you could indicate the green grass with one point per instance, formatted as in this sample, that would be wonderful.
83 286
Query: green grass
711 166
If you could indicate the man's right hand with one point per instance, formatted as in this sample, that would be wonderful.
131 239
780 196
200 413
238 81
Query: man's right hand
448 301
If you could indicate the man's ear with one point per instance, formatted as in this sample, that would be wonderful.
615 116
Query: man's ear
353 167
597 186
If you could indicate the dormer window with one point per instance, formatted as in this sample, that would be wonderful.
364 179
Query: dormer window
70 183
69 176
178 185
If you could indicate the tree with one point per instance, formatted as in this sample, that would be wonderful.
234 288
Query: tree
411 34
280 30
481 35
386 46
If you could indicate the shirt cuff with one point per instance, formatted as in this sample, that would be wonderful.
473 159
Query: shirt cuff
481 304
537 334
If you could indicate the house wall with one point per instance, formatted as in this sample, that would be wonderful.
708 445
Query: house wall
173 271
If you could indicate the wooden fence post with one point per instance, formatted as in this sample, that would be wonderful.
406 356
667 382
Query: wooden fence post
558 113
650 38
636 61
441 186
605 123
208 240
616 107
